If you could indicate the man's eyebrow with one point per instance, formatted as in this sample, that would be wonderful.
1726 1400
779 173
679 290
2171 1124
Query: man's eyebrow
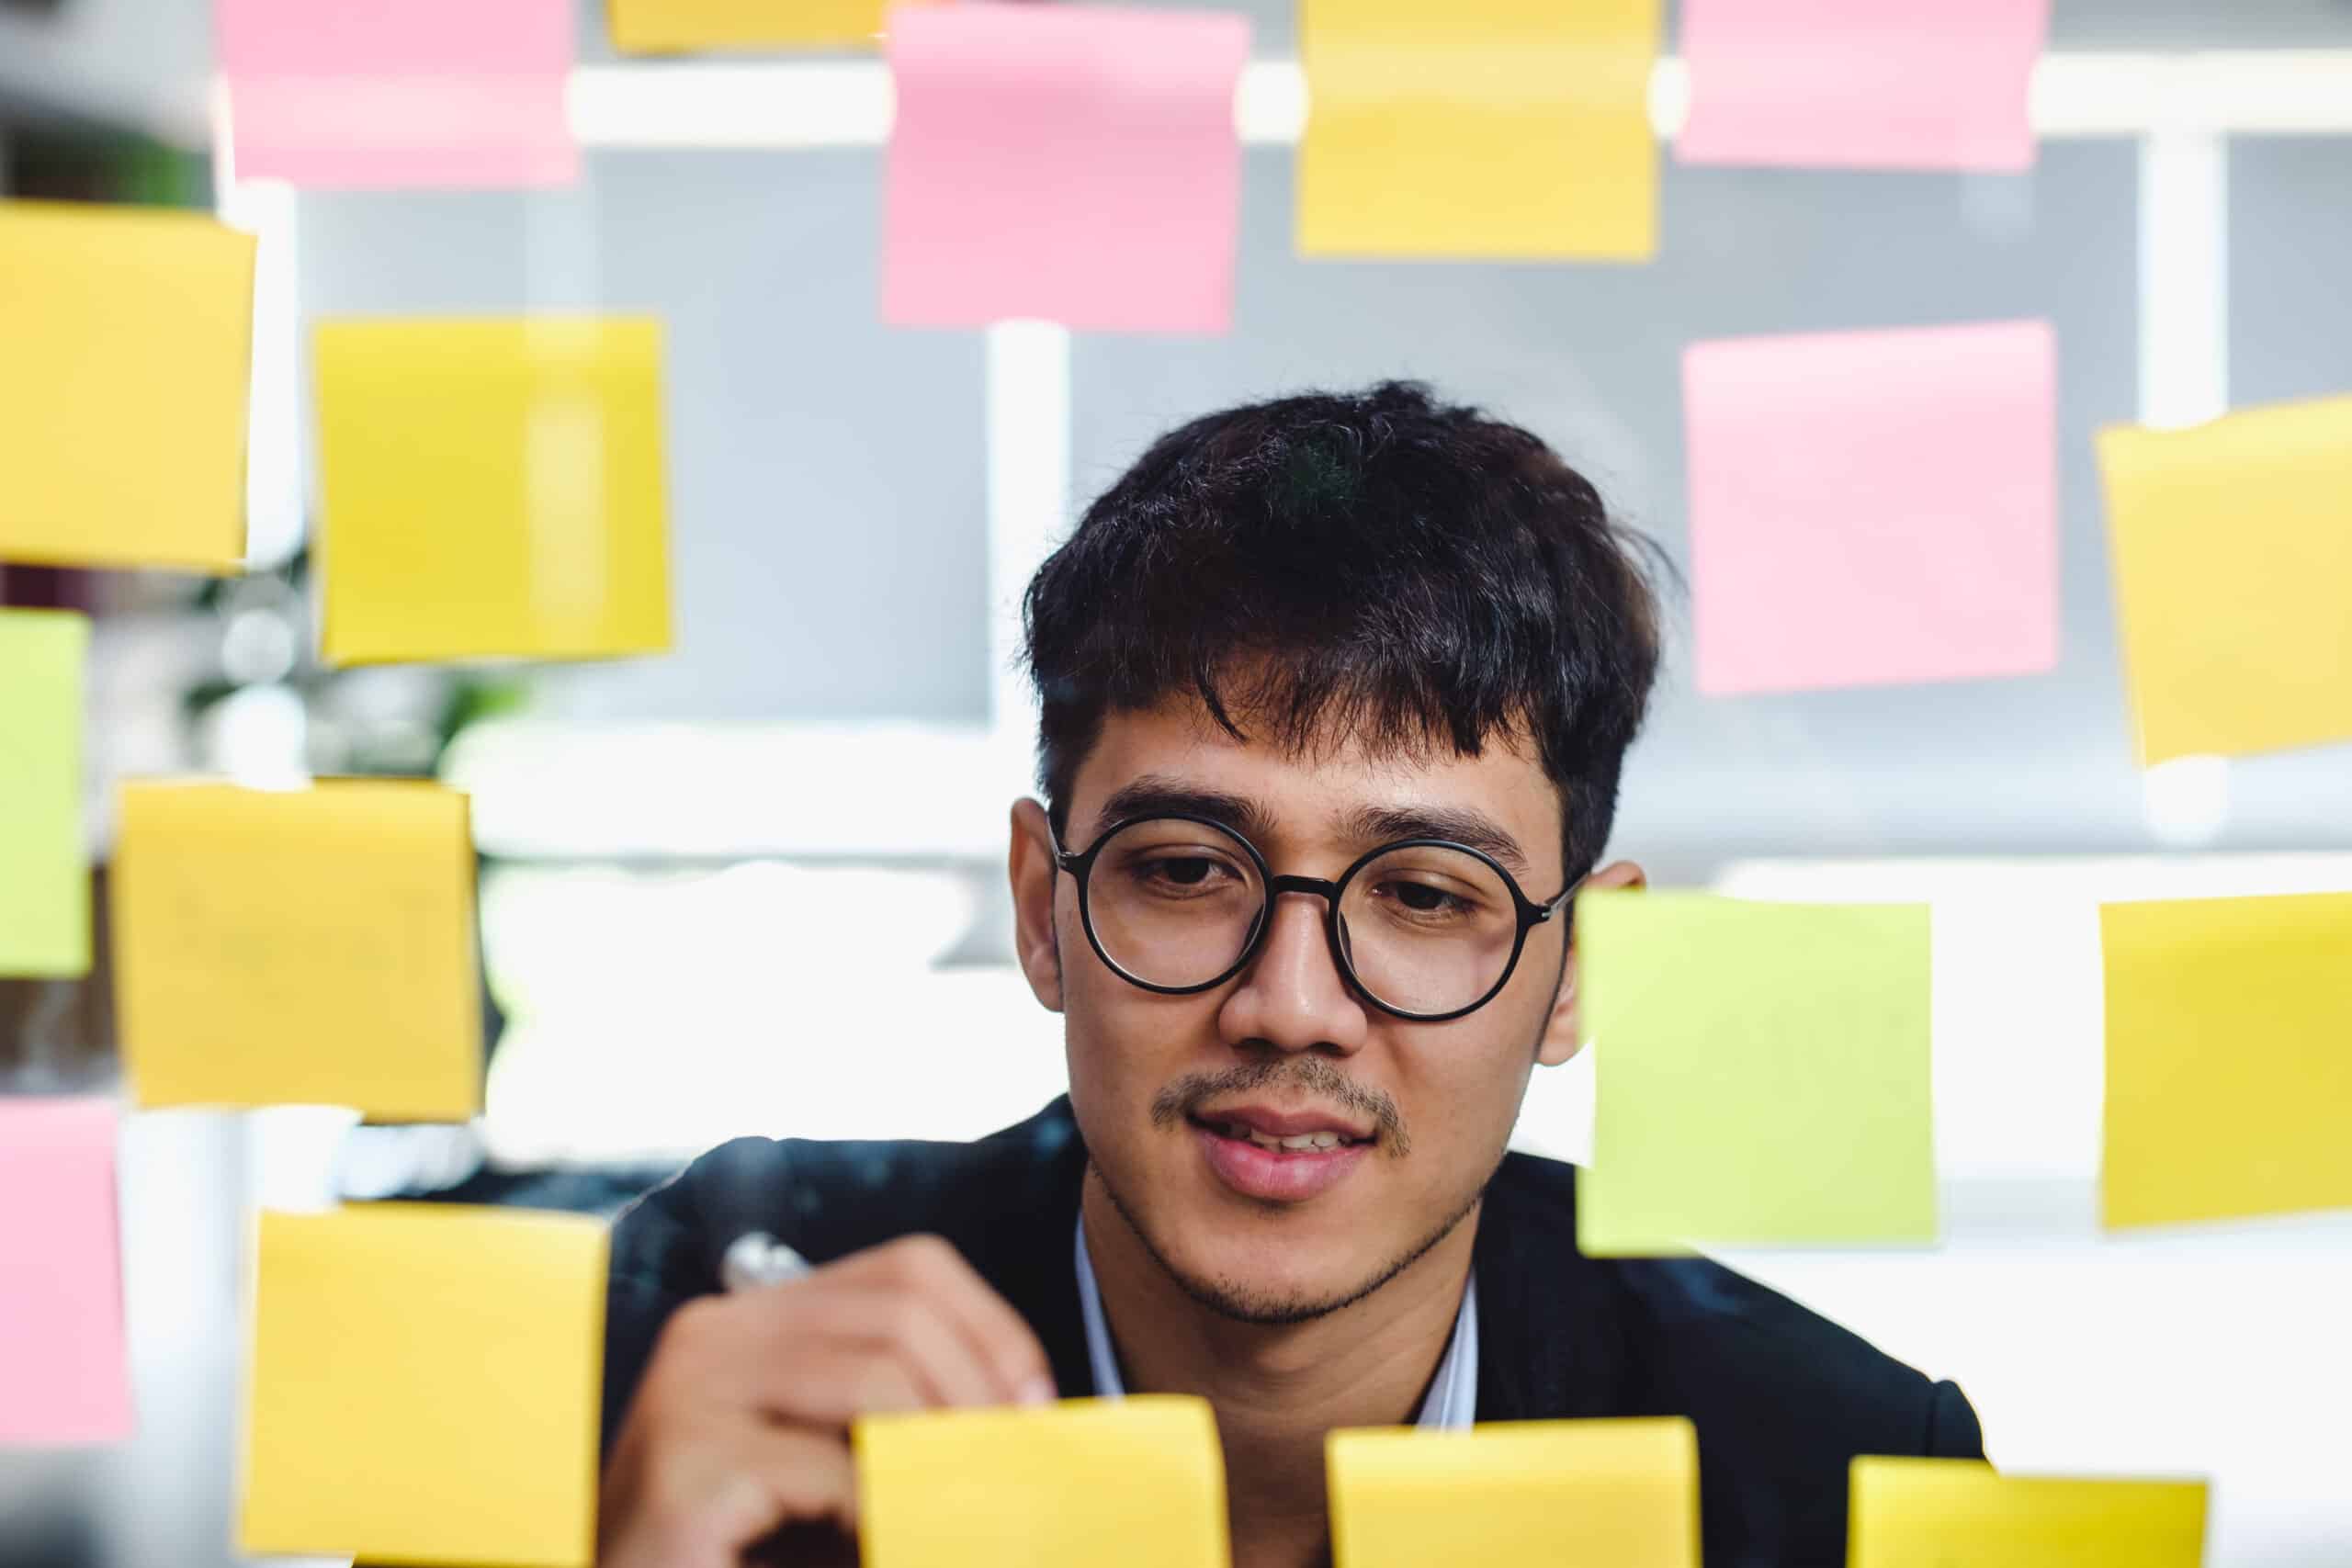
1371 825
1156 795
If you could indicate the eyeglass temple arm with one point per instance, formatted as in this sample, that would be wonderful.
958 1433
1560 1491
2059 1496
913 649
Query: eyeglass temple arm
1064 860
1545 911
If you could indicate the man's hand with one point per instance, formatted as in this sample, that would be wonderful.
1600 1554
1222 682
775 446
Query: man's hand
741 1426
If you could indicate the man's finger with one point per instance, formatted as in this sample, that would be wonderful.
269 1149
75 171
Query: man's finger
1004 1342
700 1507
926 1270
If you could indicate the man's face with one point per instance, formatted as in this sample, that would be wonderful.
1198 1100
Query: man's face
1160 1084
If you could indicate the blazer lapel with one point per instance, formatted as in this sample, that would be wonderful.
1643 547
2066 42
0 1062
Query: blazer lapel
1030 1251
1550 1341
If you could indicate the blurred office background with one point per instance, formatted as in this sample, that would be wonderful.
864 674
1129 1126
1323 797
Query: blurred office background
755 885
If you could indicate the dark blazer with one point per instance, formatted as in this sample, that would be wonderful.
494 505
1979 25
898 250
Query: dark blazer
1781 1397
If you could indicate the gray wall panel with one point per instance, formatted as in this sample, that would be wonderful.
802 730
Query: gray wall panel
1588 357
827 472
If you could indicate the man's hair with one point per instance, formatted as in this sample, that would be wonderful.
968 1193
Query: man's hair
1375 564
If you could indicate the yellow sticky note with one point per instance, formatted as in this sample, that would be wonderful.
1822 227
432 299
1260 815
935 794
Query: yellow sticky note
676 26
306 947
125 367
1502 129
44 876
1761 1074
1962 1513
1622 1492
492 487
2233 547
2229 1058
1137 1481
424 1382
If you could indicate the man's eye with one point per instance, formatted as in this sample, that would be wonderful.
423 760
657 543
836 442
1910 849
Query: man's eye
1186 873
1420 898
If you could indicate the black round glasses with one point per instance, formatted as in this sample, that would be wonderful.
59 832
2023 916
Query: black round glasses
1423 929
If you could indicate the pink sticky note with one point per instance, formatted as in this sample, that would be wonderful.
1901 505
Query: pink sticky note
1873 507
61 1361
361 94
1862 83
1074 162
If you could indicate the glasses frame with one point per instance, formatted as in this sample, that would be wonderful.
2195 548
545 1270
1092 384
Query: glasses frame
1080 863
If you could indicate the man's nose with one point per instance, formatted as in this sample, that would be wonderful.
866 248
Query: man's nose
1293 994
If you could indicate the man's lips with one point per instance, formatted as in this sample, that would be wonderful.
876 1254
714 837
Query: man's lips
1271 1123
1279 1174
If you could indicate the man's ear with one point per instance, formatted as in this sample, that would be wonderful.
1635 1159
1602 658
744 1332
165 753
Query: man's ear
1563 1031
1031 867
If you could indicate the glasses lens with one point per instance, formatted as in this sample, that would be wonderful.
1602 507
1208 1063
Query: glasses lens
1428 929
1174 903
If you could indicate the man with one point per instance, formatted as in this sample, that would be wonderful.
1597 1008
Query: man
1336 693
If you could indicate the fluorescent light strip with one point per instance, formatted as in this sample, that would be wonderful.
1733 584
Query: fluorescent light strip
834 103
2184 277
818 103
1028 407
556 789
274 481
2184 380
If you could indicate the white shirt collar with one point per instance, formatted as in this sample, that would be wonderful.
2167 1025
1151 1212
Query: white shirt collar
1453 1402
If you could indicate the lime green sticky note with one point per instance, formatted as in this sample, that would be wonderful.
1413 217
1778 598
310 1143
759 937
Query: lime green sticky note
492 489
2229 1058
1962 1513
1620 1492
44 874
2232 543
1761 1074
1137 1481
424 1382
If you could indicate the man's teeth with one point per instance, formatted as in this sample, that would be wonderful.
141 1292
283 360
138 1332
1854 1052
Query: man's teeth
1300 1141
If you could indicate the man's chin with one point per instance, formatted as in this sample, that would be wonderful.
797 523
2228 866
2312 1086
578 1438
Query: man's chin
1267 1304
1272 1281
1245 1278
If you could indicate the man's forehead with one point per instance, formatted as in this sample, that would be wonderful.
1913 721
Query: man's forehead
1339 740
1337 776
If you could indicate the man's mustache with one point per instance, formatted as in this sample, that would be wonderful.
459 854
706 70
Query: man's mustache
1318 1078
